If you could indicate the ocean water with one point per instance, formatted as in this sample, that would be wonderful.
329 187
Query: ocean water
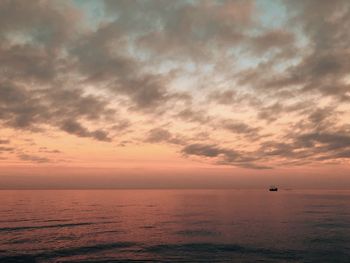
174 226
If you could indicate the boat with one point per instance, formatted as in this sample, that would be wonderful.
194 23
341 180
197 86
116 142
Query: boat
273 188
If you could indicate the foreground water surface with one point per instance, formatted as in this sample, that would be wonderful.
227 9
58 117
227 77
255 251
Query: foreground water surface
174 226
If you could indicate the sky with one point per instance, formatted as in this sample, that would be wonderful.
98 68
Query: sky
181 93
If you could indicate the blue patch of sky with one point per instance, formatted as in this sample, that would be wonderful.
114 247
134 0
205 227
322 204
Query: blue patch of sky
272 13
94 12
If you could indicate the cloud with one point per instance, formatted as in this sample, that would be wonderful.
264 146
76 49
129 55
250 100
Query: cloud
203 150
158 135
98 61
272 39
22 108
190 115
74 127
3 141
19 108
46 150
182 30
33 92
259 93
321 63
307 148
328 141
223 156
33 158
240 128
6 149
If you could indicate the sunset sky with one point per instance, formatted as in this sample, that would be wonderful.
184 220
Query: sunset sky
174 93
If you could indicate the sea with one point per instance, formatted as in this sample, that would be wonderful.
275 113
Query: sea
174 226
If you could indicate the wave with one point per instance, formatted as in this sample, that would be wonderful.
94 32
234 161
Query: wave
65 252
20 228
186 252
19 259
31 259
197 232
330 225
340 240
201 249
86 249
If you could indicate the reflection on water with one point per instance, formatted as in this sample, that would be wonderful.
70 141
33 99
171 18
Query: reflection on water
174 225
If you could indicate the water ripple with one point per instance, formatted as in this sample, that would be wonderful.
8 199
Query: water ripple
20 228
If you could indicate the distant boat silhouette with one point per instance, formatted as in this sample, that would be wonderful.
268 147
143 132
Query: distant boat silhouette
273 188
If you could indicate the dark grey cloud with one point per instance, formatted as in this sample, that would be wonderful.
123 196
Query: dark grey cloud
73 103
224 156
33 158
328 141
277 110
280 39
22 108
49 23
190 115
6 149
4 141
121 125
235 99
239 127
74 127
158 135
19 108
250 165
203 150
226 97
